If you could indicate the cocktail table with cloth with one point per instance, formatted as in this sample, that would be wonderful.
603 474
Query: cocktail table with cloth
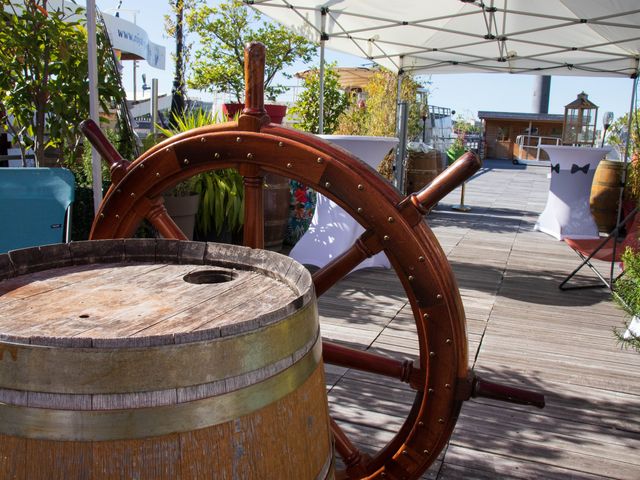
332 230
567 212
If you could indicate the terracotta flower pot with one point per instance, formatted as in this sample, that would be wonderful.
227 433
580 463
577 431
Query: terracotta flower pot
275 112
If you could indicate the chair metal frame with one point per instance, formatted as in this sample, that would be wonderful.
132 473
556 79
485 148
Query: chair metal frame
586 260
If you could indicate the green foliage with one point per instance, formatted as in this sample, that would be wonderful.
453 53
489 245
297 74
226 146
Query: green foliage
627 293
307 107
462 125
223 32
221 191
617 136
456 150
378 115
43 84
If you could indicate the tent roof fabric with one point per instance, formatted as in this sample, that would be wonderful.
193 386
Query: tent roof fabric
553 37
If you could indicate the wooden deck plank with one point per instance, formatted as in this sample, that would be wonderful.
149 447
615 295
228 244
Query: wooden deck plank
525 332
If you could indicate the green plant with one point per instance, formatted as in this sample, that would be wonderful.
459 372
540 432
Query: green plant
307 106
456 150
221 191
42 88
223 31
627 295
377 115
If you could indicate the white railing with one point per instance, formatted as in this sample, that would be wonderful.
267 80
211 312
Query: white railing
528 146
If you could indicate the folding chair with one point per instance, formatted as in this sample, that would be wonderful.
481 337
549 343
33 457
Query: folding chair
35 206
608 249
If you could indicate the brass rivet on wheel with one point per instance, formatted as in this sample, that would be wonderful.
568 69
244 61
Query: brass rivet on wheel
359 210
410 278
421 258
425 451
117 216
118 191
439 296
102 215
157 174
133 195
447 385
383 475
386 238
448 341
328 185
202 139
289 165
431 390
250 156
441 420
281 144
186 161
421 423
432 354
167 149
425 315
405 452
141 165
238 139
216 155
391 219
360 186
319 160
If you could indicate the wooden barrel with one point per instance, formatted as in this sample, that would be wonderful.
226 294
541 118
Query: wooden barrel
605 194
276 210
160 359
421 169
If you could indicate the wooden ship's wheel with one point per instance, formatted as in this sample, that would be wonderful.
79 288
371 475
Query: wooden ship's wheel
440 378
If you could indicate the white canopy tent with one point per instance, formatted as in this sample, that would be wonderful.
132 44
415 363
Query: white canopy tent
553 37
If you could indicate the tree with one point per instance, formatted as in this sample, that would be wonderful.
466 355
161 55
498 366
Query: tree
43 84
224 31
307 107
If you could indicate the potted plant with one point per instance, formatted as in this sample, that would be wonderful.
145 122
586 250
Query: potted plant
209 204
219 61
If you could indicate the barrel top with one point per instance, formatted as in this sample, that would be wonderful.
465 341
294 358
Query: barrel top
144 292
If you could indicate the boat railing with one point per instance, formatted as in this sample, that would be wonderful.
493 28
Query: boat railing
528 147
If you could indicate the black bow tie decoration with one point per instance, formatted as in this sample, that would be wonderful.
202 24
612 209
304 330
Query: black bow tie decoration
575 168
555 168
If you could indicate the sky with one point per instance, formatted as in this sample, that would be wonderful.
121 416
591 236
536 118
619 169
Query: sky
466 94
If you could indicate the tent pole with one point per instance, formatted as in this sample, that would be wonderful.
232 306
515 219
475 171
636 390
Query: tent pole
323 38
402 118
624 170
96 169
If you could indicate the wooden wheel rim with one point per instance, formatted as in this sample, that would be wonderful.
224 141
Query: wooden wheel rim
408 242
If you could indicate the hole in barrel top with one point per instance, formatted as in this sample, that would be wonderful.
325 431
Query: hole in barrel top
209 276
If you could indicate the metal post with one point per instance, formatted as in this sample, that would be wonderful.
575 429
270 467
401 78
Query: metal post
461 207
96 169
154 105
403 117
624 170
323 37
135 73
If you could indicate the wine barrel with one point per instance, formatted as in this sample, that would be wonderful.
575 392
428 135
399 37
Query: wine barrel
160 359
276 200
422 168
605 194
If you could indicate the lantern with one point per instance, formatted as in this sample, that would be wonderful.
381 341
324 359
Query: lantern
580 118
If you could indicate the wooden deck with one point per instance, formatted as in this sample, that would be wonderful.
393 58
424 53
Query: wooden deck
522 330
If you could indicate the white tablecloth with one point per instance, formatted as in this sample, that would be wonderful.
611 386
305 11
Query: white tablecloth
567 212
332 230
